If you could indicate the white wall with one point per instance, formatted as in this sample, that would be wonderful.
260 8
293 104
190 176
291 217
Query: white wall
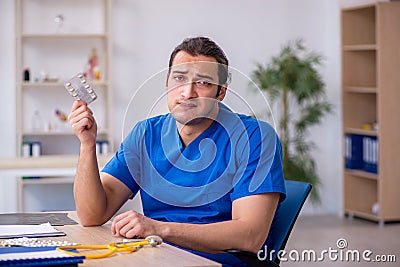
318 23
7 102
7 78
145 32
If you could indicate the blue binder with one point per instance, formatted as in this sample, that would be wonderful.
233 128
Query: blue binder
37 261
370 154
354 151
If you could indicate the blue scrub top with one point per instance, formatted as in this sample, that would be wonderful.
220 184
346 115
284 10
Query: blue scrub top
236 156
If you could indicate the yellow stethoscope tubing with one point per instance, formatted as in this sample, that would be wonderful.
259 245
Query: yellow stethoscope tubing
112 248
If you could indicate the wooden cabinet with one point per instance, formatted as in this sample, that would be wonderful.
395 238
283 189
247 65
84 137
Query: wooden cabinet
370 96
54 40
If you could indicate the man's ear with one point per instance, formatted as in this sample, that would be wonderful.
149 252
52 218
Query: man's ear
221 93
166 80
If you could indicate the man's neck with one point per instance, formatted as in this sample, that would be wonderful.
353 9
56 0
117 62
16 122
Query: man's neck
191 131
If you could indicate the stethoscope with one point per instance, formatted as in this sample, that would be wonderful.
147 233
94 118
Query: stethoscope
112 247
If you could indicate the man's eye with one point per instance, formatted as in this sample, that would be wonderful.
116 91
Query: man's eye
179 78
203 83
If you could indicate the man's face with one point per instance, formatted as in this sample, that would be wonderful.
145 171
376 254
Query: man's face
192 87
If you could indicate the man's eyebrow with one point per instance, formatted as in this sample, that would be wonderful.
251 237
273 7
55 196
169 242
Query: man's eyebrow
199 75
180 71
205 76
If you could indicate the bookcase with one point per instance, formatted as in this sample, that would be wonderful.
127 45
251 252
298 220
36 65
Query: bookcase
54 40
371 108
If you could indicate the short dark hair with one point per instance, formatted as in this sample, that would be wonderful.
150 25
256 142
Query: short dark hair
203 46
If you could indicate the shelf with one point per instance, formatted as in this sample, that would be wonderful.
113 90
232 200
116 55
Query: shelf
59 84
360 68
66 36
370 94
362 174
360 193
349 130
59 133
357 8
360 47
59 50
48 180
359 109
47 162
370 216
360 89
359 26
361 214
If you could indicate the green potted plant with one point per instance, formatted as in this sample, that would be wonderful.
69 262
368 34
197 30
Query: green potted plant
296 89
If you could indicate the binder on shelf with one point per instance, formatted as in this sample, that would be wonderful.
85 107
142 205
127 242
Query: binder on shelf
370 154
361 152
354 151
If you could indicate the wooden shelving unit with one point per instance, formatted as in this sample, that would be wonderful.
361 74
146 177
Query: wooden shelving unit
371 93
60 50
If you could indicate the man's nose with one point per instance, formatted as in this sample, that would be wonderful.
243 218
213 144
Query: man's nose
188 90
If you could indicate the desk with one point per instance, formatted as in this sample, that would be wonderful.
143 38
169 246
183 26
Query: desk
164 255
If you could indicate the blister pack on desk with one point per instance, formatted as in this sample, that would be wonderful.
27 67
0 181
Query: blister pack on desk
33 242
80 89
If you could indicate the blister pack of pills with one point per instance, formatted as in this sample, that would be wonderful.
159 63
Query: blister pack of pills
80 89
33 242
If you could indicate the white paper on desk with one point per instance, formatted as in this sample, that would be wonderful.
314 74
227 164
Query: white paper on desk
40 230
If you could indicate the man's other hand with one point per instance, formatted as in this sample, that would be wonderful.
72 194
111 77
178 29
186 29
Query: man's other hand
130 224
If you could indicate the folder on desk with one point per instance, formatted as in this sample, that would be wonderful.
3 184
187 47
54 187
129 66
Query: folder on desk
41 230
37 256
54 218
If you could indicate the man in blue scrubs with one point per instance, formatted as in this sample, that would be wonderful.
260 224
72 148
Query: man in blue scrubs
210 179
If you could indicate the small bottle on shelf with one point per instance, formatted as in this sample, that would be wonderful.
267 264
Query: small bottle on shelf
96 74
37 122
105 147
26 75
36 149
92 71
26 149
61 115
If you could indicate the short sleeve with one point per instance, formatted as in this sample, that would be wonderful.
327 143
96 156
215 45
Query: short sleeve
260 171
118 166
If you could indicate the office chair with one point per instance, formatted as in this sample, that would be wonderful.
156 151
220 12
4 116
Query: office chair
282 225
